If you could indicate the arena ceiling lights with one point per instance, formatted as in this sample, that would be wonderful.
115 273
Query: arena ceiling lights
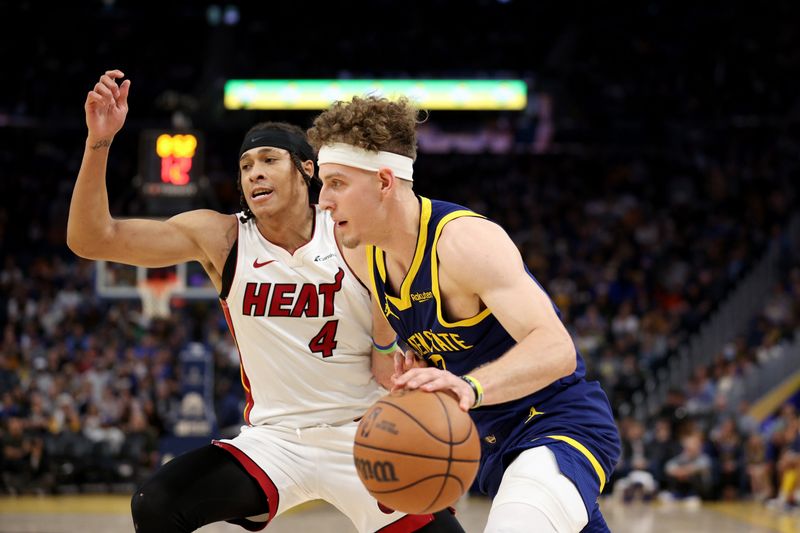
454 95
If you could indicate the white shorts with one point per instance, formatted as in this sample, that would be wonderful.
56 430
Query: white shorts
296 466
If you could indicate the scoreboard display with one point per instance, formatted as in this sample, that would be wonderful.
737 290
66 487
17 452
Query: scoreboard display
170 170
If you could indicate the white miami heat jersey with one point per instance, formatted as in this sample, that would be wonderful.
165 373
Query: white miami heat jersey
302 324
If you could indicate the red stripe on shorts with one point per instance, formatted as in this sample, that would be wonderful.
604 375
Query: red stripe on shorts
266 484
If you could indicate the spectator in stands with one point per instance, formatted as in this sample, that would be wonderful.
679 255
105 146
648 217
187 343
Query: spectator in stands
662 446
689 474
727 453
23 461
757 468
787 467
674 409
633 470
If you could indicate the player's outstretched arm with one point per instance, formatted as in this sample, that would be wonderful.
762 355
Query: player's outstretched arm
91 231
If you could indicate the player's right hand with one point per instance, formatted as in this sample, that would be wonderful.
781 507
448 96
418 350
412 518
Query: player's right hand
107 106
403 361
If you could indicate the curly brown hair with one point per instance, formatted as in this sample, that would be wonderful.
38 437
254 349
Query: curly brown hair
372 123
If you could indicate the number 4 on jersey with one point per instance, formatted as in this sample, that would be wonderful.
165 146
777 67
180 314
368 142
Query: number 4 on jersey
324 342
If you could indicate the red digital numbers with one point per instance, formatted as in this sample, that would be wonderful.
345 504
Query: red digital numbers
176 153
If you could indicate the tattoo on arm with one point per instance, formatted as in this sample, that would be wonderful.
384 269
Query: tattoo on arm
105 143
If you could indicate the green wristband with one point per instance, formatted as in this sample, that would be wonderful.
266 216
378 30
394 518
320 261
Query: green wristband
389 348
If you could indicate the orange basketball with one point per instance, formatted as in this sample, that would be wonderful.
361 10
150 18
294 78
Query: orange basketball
416 451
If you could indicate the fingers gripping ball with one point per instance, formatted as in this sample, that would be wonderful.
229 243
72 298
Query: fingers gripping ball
416 451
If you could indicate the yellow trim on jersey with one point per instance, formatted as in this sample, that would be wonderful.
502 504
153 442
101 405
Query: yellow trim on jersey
404 301
435 274
370 251
379 264
581 448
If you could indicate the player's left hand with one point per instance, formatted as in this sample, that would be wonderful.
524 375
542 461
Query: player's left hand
432 379
403 362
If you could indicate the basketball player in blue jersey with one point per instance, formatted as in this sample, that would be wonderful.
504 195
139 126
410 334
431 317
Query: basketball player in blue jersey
301 319
454 287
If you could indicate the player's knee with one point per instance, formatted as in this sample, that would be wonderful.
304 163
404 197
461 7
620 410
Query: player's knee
443 522
149 509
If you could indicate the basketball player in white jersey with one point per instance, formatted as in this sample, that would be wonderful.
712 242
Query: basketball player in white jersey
300 318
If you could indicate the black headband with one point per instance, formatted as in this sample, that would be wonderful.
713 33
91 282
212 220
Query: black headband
278 139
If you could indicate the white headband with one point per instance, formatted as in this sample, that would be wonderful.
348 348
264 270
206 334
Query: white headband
352 156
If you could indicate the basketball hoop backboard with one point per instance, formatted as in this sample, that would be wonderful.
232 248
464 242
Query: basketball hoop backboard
115 280
185 281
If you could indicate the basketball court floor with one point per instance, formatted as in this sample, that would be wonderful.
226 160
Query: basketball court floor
110 514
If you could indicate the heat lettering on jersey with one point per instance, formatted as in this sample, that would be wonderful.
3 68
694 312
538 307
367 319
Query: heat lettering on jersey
425 342
286 299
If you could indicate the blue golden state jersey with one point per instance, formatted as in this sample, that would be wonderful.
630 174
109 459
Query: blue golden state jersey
569 410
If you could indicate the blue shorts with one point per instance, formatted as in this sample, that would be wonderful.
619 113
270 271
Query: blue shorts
576 424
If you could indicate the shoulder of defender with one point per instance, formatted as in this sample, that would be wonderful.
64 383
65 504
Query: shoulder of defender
213 231
201 221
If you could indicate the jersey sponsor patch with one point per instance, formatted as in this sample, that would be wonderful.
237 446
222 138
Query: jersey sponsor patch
420 297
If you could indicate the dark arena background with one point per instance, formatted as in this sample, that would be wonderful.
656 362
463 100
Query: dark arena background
649 179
